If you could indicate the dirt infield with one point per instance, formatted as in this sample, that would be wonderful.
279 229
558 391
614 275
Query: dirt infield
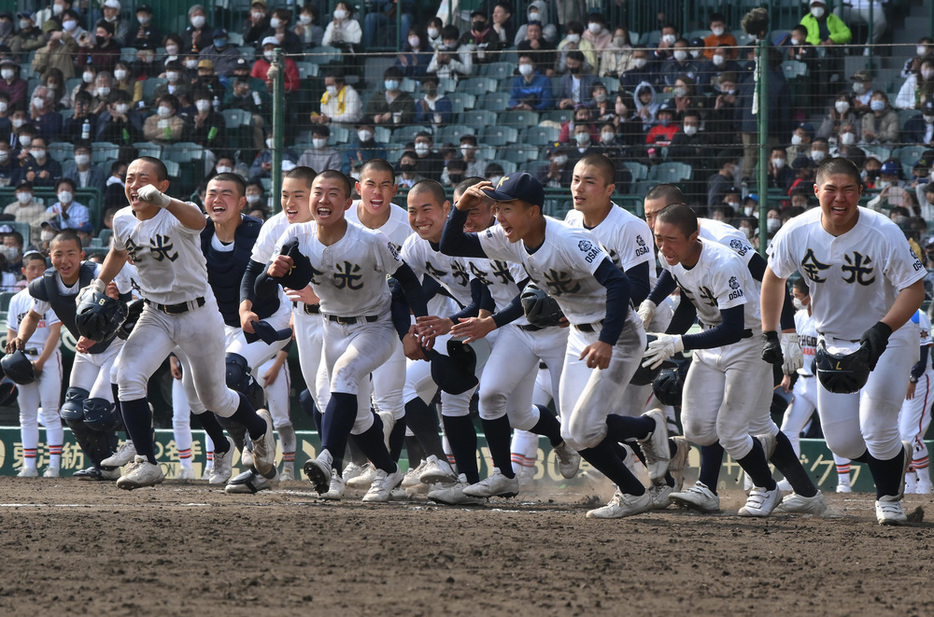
72 547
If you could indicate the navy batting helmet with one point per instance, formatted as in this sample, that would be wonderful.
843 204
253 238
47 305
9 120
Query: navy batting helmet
18 368
99 316
134 308
840 370
645 375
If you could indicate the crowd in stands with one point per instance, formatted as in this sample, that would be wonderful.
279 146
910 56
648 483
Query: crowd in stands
499 92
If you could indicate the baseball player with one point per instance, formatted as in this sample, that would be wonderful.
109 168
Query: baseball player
181 424
865 283
703 495
804 403
38 401
594 296
915 415
508 378
88 408
347 266
160 235
727 384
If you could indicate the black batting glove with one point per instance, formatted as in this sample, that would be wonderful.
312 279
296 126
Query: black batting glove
772 348
875 340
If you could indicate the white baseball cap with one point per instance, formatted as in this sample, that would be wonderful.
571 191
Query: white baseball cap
270 40
112 4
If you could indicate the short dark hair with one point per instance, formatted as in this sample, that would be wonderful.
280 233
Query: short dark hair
679 215
801 285
333 174
431 186
379 165
33 256
65 235
161 172
67 181
231 177
838 165
302 172
466 183
669 192
603 163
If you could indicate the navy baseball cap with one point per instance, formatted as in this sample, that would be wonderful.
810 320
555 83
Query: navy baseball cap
889 168
518 186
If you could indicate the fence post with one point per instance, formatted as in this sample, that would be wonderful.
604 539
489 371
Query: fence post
278 100
762 123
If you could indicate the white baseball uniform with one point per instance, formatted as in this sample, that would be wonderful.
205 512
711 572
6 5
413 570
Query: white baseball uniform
853 281
915 415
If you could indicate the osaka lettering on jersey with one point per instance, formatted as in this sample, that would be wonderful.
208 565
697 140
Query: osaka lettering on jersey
625 237
450 272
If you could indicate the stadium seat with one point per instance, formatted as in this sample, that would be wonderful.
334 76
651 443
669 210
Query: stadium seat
324 55
5 298
519 118
103 150
671 172
235 38
509 167
408 85
498 135
247 52
498 70
62 151
446 85
793 69
406 134
881 152
149 87
520 154
557 115
172 168
638 170
339 134
307 69
495 101
479 118
147 148
128 54
461 101
909 155
452 133
382 135
477 85
540 135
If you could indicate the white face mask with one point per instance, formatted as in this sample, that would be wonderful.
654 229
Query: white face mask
669 39
798 304
332 90
258 15
607 137
275 22
817 11
414 42
223 169
3 106
882 184
928 119
877 105
304 19
163 111
69 25
747 231
38 102
639 63
927 74
796 140
534 16
778 163
574 38
795 41
364 136
421 149
921 50
582 139
46 236
18 122
842 107
680 55
772 225
432 33
38 154
525 69
319 143
270 142
466 150
191 64
122 108
65 197
270 55
600 98
172 76
82 159
619 41
859 87
87 76
594 28
340 14
4 156
253 199
24 24
690 130
197 21
102 92
57 9
847 139
25 140
119 74
144 19
6 73
680 91
24 198
171 50
718 60
202 105
717 31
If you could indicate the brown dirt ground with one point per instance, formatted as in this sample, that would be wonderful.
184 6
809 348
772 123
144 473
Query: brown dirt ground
73 547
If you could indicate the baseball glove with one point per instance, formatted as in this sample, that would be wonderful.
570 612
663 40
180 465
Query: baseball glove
540 309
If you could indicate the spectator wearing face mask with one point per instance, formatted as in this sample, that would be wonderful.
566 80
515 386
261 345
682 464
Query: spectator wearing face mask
40 168
175 83
208 127
339 103
450 60
680 63
291 80
610 147
221 53
644 70
476 166
262 164
146 32
618 57
320 155
119 123
26 209
256 22
66 212
43 116
542 50
919 129
481 39
538 14
9 166
433 108
363 149
280 29
342 30
307 28
800 141
862 91
664 130
58 53
601 105
29 37
839 113
823 27
430 163
666 43
780 174
197 35
11 84
416 55
582 117
880 125
720 36
597 34
689 145
918 87
574 41
408 175
575 88
558 173
719 183
710 72
81 171
392 106
165 126
101 50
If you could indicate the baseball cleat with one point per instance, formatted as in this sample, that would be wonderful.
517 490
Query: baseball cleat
208 470
365 479
924 486
411 478
223 464
844 487
661 496
123 456
28 472
655 445
911 480
51 472
697 497
436 471
109 473
335 489
679 460
95 474
526 477
453 495
318 473
889 510
185 473
569 461
287 474
383 483
264 448
246 456
622 505
141 473
784 486
495 485
248 482
761 502
351 471
796 504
